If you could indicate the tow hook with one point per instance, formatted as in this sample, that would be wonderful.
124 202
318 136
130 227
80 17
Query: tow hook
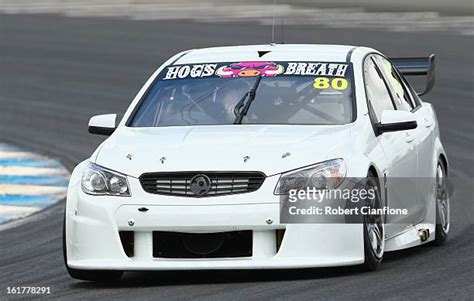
424 234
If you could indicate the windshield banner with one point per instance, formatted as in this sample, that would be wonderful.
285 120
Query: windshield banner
260 68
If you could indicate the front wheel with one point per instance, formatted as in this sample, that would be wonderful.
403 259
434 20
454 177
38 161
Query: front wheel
374 227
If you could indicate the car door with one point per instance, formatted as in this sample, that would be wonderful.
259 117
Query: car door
399 148
406 100
425 132
425 117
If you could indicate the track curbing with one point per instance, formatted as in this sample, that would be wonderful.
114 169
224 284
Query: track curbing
29 182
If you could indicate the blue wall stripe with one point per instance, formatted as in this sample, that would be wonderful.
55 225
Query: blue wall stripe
35 180
30 162
27 200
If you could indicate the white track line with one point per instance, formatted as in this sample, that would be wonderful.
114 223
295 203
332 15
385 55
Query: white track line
17 155
11 212
13 189
31 171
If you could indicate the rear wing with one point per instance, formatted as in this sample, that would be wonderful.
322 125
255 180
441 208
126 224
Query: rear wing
417 66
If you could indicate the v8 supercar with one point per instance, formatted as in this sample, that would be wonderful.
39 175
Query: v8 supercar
195 173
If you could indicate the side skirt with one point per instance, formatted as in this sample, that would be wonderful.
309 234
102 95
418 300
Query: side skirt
414 236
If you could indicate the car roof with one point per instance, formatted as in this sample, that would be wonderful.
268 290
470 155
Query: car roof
276 52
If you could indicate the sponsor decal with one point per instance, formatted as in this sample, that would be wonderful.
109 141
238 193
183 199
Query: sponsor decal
319 69
328 75
190 71
250 69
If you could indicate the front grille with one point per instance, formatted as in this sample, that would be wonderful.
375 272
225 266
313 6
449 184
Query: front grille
220 183
202 245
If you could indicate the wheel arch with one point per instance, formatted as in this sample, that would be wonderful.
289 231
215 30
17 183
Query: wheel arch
381 179
373 170
444 160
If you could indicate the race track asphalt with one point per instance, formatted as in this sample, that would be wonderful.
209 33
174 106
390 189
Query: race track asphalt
56 72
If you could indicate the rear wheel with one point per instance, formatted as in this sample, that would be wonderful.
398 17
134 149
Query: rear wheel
374 228
89 275
442 206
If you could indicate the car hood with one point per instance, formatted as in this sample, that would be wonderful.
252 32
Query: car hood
270 149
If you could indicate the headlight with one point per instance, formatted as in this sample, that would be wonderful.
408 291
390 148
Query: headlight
324 175
98 180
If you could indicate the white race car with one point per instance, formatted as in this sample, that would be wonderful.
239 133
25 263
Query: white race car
200 171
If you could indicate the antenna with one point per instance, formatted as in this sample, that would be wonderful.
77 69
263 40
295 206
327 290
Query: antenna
273 21
282 30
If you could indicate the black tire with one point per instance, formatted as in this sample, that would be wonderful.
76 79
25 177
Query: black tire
373 257
442 230
88 275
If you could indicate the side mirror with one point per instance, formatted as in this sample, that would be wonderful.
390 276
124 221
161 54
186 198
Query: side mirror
394 121
102 124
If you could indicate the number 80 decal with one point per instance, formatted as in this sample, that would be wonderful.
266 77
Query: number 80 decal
325 83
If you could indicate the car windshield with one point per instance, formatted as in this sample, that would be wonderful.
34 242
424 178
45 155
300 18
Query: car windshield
285 93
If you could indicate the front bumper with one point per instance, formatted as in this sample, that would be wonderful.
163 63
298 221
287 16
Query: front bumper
93 242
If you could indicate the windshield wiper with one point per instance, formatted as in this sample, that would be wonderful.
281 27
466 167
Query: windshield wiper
241 108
